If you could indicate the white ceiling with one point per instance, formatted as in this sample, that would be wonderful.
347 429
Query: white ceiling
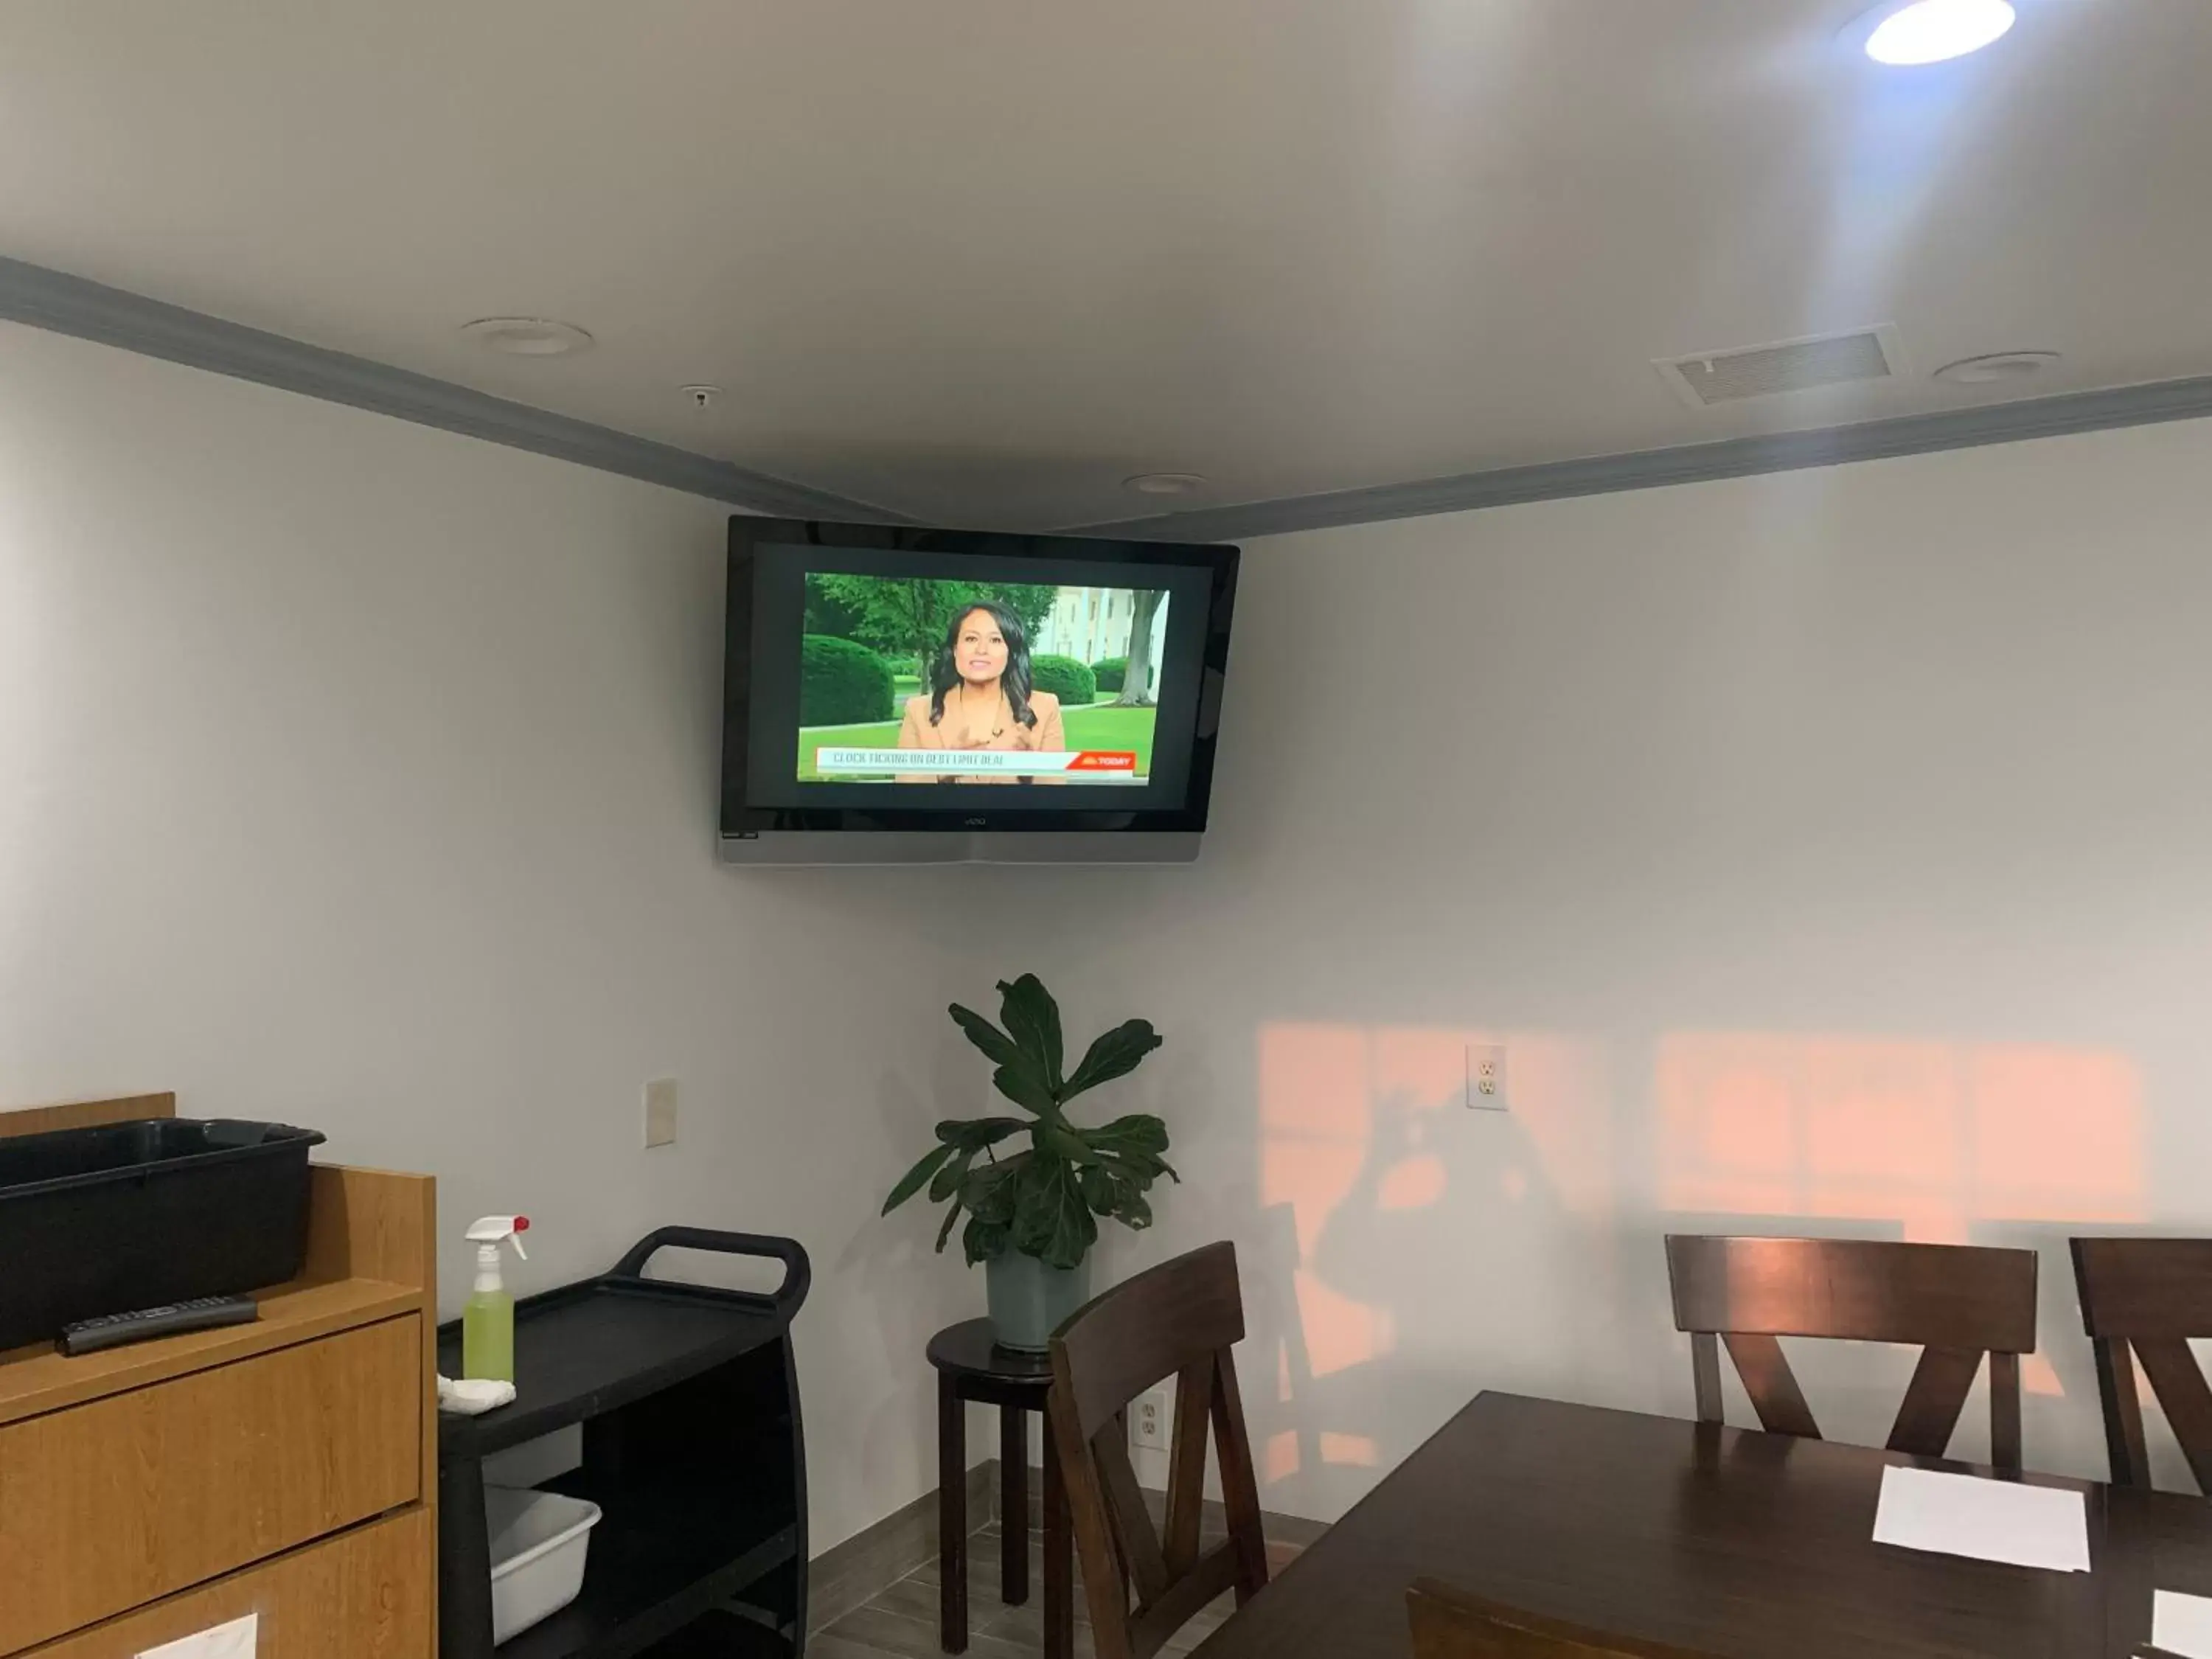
979 261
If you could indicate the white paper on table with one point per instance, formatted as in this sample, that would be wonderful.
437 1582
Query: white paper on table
2181 1624
234 1640
1985 1520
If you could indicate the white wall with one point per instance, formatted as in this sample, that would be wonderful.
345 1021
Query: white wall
1832 850
362 776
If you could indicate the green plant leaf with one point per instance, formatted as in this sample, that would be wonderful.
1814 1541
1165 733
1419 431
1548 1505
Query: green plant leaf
1026 1087
1106 1186
910 1183
989 1038
984 1241
1147 1167
1139 1133
1119 1052
1020 1077
1051 1221
1032 1019
989 1190
949 1178
1134 1212
973 1135
1063 1143
951 1215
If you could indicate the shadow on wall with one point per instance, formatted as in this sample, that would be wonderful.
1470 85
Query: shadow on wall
1421 1251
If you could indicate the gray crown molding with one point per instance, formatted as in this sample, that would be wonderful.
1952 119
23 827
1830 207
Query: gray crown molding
92 311
1652 469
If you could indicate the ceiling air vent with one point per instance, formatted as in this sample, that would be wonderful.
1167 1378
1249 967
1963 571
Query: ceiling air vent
1705 378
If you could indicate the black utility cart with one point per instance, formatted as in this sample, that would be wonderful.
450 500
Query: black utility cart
692 1450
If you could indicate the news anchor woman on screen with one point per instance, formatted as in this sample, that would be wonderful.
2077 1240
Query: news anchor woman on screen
980 696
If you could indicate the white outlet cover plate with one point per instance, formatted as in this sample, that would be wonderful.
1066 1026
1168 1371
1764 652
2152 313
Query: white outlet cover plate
1485 1077
1162 1403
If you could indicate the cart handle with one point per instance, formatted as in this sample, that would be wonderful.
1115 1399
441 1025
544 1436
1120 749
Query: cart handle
797 1272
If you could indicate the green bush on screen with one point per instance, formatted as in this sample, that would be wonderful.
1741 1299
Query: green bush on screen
1071 682
841 684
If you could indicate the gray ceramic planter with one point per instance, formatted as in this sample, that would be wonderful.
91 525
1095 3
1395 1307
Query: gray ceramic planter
1029 1300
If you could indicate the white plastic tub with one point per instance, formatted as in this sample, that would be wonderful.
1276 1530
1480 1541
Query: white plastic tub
538 1541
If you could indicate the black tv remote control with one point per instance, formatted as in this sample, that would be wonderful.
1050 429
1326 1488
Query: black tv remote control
201 1312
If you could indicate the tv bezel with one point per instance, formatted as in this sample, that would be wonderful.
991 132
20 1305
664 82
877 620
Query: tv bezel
741 822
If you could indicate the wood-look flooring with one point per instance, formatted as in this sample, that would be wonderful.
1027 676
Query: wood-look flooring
902 1622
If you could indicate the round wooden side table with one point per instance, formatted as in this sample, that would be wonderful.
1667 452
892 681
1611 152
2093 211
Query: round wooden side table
970 1367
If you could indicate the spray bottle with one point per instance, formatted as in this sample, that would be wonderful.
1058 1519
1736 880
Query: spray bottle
487 1319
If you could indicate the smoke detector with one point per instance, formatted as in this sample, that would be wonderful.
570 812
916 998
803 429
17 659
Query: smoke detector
527 336
1703 379
1995 367
1165 483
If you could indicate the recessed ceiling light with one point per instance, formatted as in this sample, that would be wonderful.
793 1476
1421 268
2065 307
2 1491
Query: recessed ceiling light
1910 31
1995 367
1165 483
527 336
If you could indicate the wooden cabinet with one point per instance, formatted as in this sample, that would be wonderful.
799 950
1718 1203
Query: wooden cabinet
361 1595
286 1468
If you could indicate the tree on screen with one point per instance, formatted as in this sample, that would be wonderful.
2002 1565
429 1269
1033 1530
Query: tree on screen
907 617
1137 678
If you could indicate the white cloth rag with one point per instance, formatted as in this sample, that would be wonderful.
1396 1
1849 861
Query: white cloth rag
472 1395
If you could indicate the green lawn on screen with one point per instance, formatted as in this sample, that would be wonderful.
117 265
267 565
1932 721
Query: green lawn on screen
1086 728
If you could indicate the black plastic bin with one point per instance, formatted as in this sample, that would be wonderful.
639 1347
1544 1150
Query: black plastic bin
133 1215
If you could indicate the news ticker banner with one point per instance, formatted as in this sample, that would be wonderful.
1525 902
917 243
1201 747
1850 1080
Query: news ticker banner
1081 765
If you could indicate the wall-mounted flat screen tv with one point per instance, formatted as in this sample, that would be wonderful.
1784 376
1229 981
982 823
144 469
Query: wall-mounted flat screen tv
897 695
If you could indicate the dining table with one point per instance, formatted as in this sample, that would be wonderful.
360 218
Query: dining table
1727 1542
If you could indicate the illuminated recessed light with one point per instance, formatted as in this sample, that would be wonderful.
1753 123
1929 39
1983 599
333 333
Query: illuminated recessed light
1165 483
1995 367
1910 31
527 336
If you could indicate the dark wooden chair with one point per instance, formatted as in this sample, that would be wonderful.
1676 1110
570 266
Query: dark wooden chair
1178 1320
2151 1295
1959 1301
1456 1624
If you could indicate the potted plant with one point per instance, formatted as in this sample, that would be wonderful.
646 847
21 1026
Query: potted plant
1032 1213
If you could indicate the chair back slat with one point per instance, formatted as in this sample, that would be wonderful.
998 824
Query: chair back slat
1132 1521
1448 1623
1144 1582
2150 1295
1934 1400
1240 1485
1193 1421
2179 1382
1956 1302
1770 1383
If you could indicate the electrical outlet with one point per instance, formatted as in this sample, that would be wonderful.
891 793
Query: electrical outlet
1148 1418
1486 1076
660 1112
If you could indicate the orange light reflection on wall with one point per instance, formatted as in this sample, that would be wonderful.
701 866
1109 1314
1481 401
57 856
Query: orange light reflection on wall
1934 1136
1343 1104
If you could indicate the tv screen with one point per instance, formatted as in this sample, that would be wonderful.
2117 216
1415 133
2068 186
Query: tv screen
929 693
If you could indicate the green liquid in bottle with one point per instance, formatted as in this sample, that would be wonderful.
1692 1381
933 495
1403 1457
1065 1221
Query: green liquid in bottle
488 1337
